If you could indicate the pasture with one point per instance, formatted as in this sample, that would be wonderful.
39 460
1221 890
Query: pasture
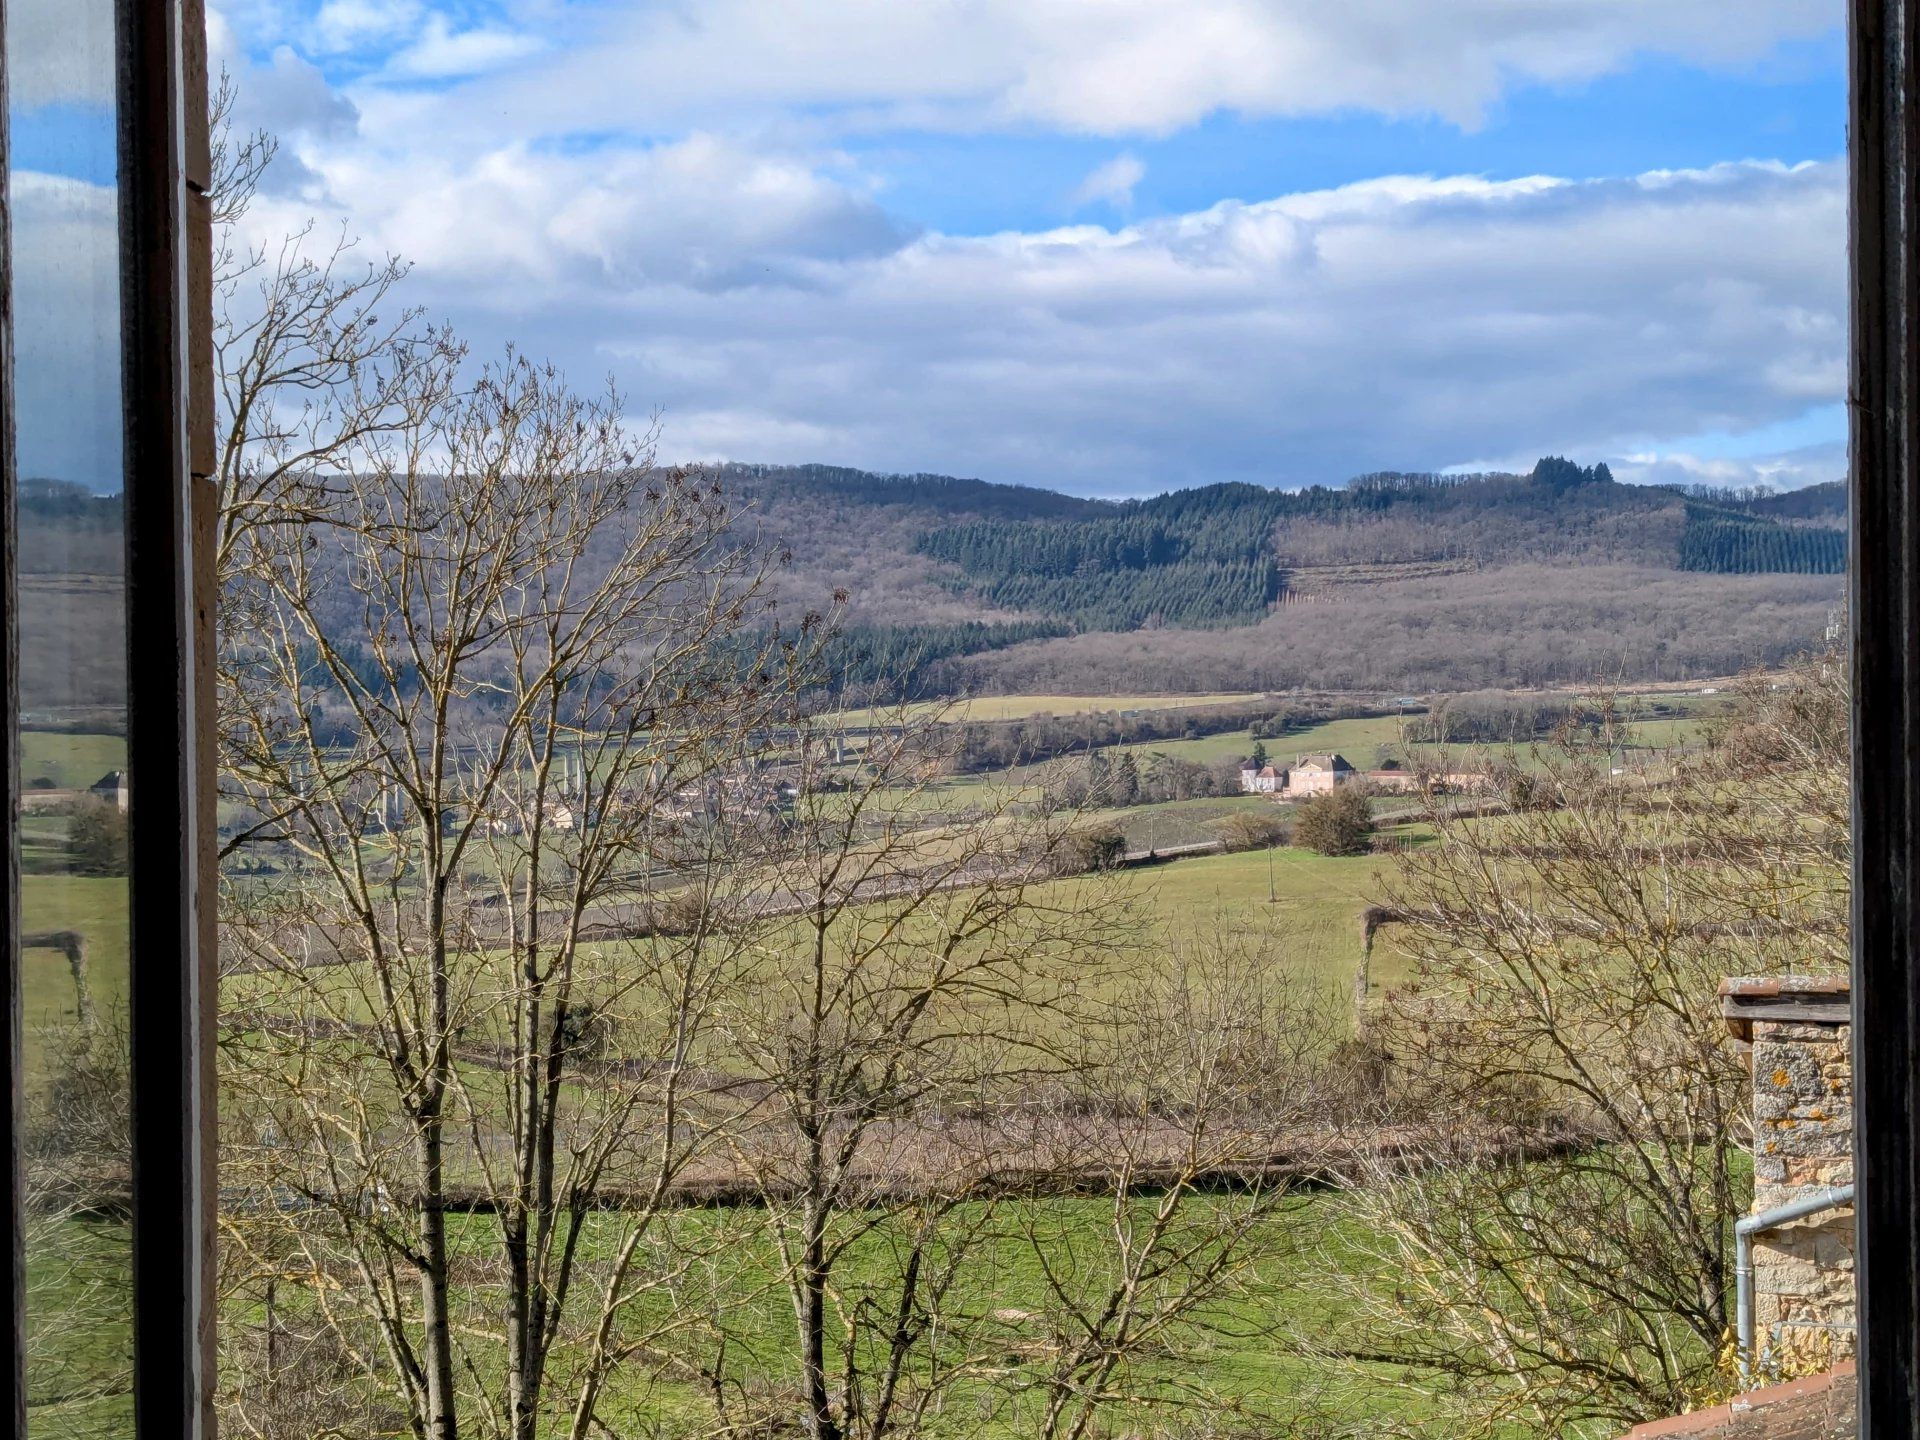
1249 1353
56 759
96 907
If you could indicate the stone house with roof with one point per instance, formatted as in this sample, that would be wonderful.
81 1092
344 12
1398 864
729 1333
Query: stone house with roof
111 788
1262 779
1318 774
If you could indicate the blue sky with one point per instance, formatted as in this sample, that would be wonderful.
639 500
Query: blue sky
1109 245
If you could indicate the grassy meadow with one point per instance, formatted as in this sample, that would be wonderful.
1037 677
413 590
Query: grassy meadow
1260 1355
62 761
1247 1353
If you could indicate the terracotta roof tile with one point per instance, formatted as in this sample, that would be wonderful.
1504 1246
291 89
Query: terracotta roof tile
1820 1407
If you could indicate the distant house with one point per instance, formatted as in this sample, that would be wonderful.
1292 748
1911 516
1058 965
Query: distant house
1317 774
1394 780
1262 779
112 788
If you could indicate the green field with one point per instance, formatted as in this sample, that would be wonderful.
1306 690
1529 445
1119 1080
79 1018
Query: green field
68 762
78 1307
96 906
1245 1354
1021 707
1308 906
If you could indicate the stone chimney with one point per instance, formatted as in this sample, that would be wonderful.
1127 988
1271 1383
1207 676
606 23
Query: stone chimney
1798 1033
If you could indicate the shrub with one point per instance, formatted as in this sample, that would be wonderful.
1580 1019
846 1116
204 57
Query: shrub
1252 830
1098 847
1339 822
97 841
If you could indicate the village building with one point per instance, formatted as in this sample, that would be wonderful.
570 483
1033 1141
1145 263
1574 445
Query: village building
112 788
1318 774
1262 779
1396 780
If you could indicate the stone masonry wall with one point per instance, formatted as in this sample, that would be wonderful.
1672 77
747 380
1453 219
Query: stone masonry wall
1803 1141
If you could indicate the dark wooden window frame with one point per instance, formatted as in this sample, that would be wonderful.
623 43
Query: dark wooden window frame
1884 406
166 339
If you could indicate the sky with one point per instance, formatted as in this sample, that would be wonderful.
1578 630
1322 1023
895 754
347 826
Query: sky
1107 246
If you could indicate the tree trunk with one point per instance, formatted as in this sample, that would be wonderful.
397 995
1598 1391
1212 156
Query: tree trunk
443 1416
822 1423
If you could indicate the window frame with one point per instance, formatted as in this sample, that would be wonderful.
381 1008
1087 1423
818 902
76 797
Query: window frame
166 321
1884 591
167 418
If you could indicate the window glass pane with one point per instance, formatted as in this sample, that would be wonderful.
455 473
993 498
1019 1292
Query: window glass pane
72 695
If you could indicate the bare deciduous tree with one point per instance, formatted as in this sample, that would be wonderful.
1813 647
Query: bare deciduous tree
909 977
314 352
1205 1104
1567 956
485 657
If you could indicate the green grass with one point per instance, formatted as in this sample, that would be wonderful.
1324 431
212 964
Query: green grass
1022 707
96 906
68 762
78 1308
1303 908
1245 1349
1178 822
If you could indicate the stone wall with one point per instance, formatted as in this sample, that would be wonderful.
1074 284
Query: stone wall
1801 1049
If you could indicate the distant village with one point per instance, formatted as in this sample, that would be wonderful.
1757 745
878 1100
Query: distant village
1311 775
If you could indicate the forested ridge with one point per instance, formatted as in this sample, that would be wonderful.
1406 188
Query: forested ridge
951 583
1224 554
1730 543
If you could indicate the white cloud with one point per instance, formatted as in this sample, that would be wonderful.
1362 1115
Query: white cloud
343 26
1112 67
440 52
520 225
1405 322
59 52
1112 183
751 282
1789 470
66 317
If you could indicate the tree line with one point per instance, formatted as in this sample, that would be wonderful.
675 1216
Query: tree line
1727 544
983 745
1219 555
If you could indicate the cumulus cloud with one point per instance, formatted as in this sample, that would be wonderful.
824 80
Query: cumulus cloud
66 317
60 52
441 52
1789 470
282 93
527 227
1112 183
1113 67
1405 322
346 25
653 190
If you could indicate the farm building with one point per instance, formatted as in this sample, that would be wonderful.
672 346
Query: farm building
1317 774
1262 779
112 788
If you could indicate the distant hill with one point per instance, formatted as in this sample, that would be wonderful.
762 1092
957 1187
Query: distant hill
1226 554
1827 503
953 582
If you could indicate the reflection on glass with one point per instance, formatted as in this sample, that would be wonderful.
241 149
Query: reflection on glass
71 612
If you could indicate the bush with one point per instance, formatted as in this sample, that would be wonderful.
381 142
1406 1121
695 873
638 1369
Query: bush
1252 830
97 841
1098 847
1339 822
